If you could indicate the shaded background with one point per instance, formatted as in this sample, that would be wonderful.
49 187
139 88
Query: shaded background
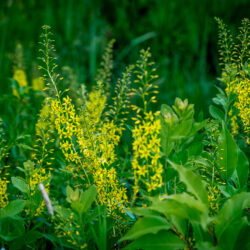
182 35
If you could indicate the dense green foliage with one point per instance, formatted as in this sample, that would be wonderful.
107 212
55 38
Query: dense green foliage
182 37
107 165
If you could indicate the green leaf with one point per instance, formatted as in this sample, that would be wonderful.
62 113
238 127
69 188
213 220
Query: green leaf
26 239
180 224
144 211
20 184
216 113
205 246
11 228
146 225
86 200
193 182
182 130
229 221
227 153
161 241
71 194
32 236
166 143
242 168
200 235
182 206
13 208
69 190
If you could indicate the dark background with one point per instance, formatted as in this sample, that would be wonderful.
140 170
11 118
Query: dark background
182 35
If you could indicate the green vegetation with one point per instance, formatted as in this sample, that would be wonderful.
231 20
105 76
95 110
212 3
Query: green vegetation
106 165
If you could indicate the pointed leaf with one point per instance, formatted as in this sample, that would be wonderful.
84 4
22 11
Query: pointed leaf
86 200
20 184
146 225
182 206
216 113
242 168
160 241
227 153
193 182
13 208
229 221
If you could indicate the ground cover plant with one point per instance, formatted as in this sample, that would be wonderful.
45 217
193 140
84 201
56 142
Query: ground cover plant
104 169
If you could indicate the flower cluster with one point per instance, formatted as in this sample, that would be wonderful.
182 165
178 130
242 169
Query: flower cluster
213 197
93 148
146 147
38 83
67 124
20 77
109 191
67 228
235 74
3 193
145 87
94 106
38 176
44 131
242 89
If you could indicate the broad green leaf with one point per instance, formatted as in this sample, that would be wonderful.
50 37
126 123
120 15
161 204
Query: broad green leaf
230 235
193 182
161 241
182 130
20 184
242 168
200 234
88 197
216 113
72 195
229 222
69 190
144 211
227 153
26 239
146 225
243 237
201 245
11 228
178 209
180 224
13 208
166 143
86 200
183 206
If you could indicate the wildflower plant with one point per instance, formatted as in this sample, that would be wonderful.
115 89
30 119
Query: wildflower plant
103 168
235 74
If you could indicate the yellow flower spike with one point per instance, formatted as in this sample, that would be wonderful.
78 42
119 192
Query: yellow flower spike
38 83
3 195
146 166
20 77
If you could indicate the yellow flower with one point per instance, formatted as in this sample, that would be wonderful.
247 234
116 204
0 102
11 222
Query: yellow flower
38 83
38 176
146 147
20 77
3 195
89 142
